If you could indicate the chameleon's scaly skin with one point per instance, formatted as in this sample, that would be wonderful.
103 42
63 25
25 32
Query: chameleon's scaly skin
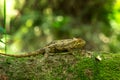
54 47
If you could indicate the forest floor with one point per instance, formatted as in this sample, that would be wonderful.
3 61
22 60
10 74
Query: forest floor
61 67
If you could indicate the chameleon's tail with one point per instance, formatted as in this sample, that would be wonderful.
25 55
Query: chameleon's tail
34 53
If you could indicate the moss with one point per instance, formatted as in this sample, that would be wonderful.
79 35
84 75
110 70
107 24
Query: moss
62 67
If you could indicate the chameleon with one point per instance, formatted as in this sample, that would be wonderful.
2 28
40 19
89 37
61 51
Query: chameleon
57 46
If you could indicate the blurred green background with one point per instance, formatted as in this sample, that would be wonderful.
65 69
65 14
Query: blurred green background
30 24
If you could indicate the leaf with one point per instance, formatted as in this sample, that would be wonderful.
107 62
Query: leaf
1 41
2 30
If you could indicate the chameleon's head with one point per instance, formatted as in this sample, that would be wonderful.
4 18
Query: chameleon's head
78 42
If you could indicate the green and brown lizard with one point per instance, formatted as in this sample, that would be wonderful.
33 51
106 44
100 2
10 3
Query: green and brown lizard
56 46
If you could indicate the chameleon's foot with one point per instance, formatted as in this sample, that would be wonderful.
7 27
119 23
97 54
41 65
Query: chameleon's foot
43 59
46 54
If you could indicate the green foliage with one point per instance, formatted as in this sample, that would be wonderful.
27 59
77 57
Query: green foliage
60 21
42 21
115 13
115 28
